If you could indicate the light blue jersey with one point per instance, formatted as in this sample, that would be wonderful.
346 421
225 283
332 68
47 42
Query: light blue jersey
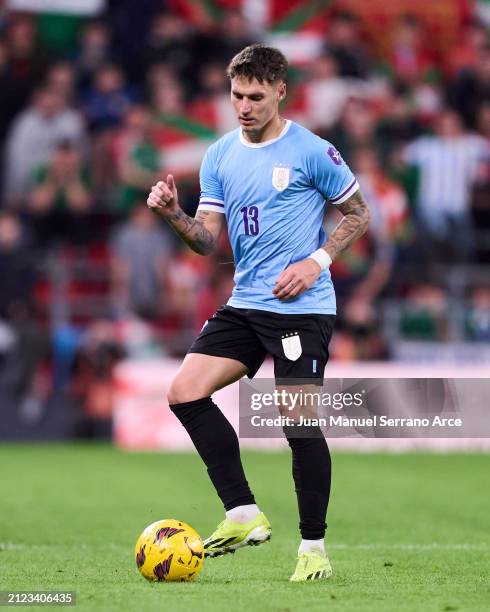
273 196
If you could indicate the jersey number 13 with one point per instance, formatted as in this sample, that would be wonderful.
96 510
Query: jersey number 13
250 216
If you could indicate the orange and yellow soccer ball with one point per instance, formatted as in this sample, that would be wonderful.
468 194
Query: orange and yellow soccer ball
169 550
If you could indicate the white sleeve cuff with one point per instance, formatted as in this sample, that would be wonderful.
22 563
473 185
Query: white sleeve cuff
211 204
346 193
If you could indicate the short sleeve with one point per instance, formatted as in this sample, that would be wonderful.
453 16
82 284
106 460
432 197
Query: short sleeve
331 175
211 190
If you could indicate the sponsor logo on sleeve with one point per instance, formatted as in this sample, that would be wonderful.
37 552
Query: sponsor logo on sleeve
335 156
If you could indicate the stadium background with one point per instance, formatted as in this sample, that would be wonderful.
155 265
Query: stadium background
101 99
98 300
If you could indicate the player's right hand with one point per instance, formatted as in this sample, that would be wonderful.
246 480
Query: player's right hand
163 199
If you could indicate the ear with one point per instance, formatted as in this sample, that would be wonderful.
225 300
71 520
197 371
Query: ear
281 91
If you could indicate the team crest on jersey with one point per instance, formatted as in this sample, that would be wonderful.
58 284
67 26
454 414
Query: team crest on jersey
291 344
280 177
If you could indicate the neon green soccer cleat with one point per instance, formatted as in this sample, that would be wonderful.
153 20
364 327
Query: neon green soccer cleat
311 566
229 536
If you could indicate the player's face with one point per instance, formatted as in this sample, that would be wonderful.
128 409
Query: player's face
256 104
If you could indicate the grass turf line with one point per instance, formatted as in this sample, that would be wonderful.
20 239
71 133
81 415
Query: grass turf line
407 532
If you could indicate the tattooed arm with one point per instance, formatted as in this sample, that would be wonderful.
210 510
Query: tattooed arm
300 276
353 225
201 233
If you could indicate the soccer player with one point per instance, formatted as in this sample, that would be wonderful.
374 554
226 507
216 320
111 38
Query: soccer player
269 181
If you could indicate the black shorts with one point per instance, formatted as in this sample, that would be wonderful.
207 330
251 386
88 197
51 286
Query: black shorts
297 342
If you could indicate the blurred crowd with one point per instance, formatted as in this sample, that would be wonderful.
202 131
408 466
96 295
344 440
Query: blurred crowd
94 111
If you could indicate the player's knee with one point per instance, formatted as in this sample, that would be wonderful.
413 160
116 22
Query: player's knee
183 390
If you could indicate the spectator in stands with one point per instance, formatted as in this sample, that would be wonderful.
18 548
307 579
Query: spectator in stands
61 77
140 249
105 105
4 11
212 106
357 127
426 99
471 89
16 265
326 93
481 191
61 197
392 214
30 343
108 99
183 141
483 174
34 135
345 46
130 22
233 36
169 42
189 292
4 118
94 51
168 101
137 157
477 315
447 164
24 69
469 51
92 384
199 285
398 122
410 58
483 120
10 372
424 313
213 80
159 75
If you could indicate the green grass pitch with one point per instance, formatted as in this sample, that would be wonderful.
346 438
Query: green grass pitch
407 532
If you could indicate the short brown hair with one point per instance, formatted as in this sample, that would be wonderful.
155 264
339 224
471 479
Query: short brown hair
259 62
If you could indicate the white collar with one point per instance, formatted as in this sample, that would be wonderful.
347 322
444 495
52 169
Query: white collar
257 145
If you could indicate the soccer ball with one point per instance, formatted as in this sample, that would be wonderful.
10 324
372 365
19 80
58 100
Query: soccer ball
169 550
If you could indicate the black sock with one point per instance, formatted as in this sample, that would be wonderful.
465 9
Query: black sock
312 473
217 444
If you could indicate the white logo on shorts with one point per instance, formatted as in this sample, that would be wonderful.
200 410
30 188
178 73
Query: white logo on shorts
280 177
291 344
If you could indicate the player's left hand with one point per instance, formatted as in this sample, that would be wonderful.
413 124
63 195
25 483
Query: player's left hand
296 279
